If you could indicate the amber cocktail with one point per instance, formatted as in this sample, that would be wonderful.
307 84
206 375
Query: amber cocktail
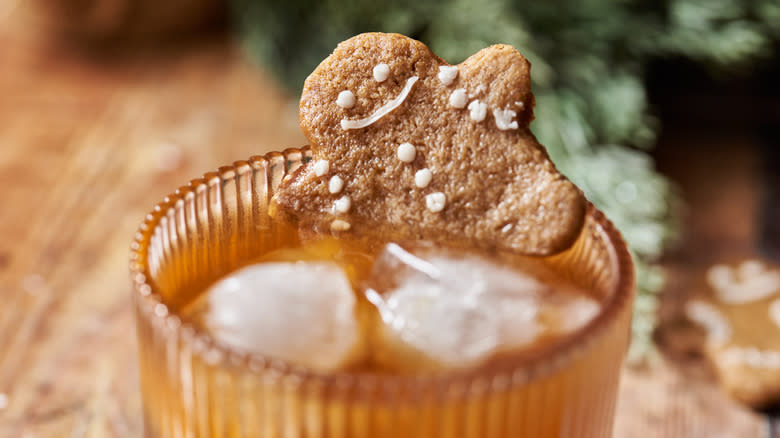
195 386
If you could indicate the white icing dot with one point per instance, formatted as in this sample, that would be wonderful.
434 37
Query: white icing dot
520 104
335 184
346 99
478 110
504 119
342 205
458 98
381 72
435 202
422 178
384 110
507 228
321 167
706 315
774 312
448 73
340 225
406 152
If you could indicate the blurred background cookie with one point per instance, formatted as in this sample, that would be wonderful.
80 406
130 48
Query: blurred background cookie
740 312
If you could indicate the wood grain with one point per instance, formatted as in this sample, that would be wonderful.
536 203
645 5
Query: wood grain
86 149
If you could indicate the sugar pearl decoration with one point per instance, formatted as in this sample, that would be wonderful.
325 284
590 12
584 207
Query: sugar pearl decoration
336 184
458 98
422 178
340 225
478 110
342 205
504 119
381 72
321 167
447 74
406 152
346 99
435 202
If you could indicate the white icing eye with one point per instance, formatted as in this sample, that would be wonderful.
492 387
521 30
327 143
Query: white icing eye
321 167
342 205
406 152
346 99
381 72
336 184
435 202
504 119
478 111
422 178
447 74
458 98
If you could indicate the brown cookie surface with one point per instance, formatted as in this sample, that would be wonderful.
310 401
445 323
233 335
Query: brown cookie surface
406 146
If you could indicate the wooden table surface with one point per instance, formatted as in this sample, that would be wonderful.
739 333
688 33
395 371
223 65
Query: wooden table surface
86 149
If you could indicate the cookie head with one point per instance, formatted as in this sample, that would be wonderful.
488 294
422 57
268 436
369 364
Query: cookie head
406 146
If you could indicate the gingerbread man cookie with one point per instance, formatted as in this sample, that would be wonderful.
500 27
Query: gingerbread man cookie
406 146
741 316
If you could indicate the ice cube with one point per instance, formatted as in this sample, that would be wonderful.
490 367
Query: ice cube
454 309
301 312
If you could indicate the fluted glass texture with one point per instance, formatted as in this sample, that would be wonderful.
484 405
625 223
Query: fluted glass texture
194 387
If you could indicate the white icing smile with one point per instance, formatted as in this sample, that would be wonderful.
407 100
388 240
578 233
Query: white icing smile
382 111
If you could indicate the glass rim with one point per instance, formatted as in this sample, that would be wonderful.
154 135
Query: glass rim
516 366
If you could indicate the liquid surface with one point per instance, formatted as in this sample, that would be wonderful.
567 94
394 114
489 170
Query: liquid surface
414 308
